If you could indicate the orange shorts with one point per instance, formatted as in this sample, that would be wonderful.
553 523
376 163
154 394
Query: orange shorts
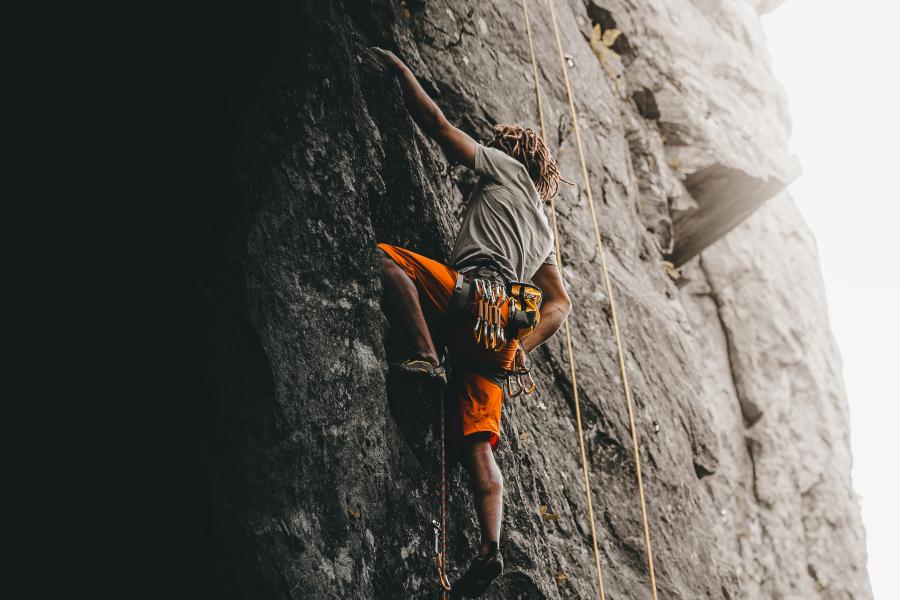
479 398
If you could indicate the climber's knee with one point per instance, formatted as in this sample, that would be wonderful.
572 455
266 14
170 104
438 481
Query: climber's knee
391 271
492 485
483 471
488 483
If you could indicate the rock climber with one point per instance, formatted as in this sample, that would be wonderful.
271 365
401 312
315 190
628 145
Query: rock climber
504 237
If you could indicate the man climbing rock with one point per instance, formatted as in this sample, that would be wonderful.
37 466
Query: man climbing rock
484 306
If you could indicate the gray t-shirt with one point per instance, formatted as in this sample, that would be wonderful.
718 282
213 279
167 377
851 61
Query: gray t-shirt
504 222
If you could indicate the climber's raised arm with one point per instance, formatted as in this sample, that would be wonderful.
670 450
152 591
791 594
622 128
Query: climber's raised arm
555 307
457 145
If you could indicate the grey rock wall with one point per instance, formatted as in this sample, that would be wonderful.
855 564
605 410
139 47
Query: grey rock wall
316 474
756 303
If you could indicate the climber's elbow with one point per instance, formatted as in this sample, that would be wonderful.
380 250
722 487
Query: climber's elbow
456 144
557 312
433 123
563 306
556 299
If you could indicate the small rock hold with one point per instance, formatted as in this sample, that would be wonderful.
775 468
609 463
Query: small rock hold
547 515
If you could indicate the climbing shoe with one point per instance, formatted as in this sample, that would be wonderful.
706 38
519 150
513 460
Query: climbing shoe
482 571
421 368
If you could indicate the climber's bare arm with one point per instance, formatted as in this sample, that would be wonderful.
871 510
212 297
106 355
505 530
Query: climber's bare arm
457 145
554 309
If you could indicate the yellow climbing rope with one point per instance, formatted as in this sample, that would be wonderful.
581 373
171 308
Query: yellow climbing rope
571 353
612 307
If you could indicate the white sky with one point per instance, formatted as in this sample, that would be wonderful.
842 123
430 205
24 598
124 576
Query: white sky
839 62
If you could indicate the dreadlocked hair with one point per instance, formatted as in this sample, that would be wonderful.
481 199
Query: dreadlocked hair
524 145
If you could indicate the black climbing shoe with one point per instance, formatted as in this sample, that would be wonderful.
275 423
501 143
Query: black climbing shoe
421 368
482 571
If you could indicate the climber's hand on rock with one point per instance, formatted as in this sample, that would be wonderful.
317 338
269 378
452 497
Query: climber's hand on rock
390 59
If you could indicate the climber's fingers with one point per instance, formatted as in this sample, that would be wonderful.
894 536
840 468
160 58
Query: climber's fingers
388 57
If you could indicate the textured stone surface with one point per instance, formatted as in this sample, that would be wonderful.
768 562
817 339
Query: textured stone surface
766 6
780 409
315 474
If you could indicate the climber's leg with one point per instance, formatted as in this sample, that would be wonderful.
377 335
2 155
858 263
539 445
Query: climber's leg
487 487
403 297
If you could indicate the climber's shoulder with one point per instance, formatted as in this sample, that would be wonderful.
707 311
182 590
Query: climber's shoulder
498 165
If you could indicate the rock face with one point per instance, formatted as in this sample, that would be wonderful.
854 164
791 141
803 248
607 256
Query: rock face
315 475
780 413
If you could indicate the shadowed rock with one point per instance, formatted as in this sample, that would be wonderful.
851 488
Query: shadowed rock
313 471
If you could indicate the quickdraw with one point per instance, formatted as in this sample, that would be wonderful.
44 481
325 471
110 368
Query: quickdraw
440 556
488 299
523 378
440 529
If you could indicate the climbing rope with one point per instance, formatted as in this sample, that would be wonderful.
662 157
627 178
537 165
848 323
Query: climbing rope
442 553
612 305
570 351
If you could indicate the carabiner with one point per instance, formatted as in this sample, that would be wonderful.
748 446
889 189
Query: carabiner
479 303
509 379
439 557
529 384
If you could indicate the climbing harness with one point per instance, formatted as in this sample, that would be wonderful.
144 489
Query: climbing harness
612 307
484 292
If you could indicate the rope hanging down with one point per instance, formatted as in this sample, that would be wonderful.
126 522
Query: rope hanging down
612 305
569 350
441 550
